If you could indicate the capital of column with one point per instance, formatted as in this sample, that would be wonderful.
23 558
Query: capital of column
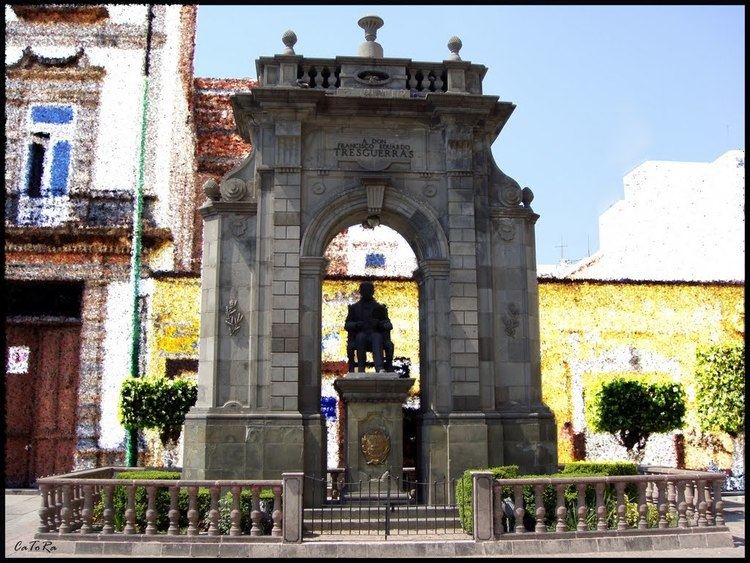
312 265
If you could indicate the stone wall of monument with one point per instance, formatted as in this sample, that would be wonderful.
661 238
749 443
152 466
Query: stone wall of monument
590 331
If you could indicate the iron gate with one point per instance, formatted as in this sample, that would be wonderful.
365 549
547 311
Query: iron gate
390 506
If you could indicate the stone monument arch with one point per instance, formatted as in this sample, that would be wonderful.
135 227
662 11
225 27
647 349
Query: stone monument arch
367 139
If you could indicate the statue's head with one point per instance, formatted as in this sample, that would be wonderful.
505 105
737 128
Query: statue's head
366 290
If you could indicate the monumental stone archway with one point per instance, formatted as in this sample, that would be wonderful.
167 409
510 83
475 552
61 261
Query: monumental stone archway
392 141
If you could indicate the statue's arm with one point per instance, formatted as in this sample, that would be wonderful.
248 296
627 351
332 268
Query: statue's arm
351 324
385 324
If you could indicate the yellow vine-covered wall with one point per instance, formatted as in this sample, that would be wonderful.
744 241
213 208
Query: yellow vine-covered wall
595 331
590 332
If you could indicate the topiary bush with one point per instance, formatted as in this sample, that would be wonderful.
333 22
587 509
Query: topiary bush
632 411
157 402
720 389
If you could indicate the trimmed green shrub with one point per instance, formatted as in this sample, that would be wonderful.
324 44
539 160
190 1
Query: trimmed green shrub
720 389
162 503
157 402
632 411
465 492
599 468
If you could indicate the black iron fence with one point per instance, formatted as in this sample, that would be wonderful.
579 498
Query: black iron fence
389 506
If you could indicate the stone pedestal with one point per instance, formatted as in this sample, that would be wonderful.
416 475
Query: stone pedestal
374 434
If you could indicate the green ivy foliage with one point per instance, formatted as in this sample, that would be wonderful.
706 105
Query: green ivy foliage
720 389
157 402
632 410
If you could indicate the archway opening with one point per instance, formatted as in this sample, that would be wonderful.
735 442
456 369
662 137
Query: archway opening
381 255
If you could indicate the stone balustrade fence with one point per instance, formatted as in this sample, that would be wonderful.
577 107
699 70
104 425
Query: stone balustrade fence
68 501
672 501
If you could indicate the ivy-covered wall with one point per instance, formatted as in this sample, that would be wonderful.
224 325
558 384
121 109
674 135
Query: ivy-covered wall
591 331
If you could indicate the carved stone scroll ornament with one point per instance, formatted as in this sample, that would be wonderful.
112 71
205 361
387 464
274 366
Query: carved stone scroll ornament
233 189
233 317
376 445
510 319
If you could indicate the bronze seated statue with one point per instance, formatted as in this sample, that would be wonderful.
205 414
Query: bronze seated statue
369 330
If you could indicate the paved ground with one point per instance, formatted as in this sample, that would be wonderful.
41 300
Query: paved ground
21 520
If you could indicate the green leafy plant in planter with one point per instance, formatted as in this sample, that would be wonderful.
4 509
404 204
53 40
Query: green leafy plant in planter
632 411
720 395
157 402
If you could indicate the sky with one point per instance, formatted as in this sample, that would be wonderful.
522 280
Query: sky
598 89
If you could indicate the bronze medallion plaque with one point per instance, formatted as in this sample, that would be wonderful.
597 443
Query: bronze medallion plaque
376 445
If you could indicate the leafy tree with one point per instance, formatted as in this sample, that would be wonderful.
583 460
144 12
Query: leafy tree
632 411
157 402
720 395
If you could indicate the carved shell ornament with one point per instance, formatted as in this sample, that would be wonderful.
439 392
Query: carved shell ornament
511 195
233 189
376 445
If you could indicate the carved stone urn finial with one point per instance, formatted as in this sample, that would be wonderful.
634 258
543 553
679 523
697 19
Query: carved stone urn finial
370 48
454 46
289 39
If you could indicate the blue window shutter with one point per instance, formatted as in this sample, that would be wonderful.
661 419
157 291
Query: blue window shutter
60 168
52 114
374 260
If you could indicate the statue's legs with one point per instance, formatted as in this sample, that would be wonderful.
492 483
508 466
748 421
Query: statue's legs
377 350
388 363
350 347
360 342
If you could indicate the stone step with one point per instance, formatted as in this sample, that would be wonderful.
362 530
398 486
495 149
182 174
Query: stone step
375 525
378 512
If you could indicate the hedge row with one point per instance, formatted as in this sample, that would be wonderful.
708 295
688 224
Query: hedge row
162 503
465 489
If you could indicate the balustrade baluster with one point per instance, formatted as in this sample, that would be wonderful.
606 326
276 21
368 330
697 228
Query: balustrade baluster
540 527
44 509
255 515
130 511
581 511
690 512
278 513
235 530
560 510
427 84
151 510
680 488
661 487
497 512
672 501
601 508
192 511
306 75
73 520
58 507
702 505
174 511
108 513
642 506
86 513
622 521
519 512
315 77
213 513
412 79
52 508
709 504
438 81
718 503
65 512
